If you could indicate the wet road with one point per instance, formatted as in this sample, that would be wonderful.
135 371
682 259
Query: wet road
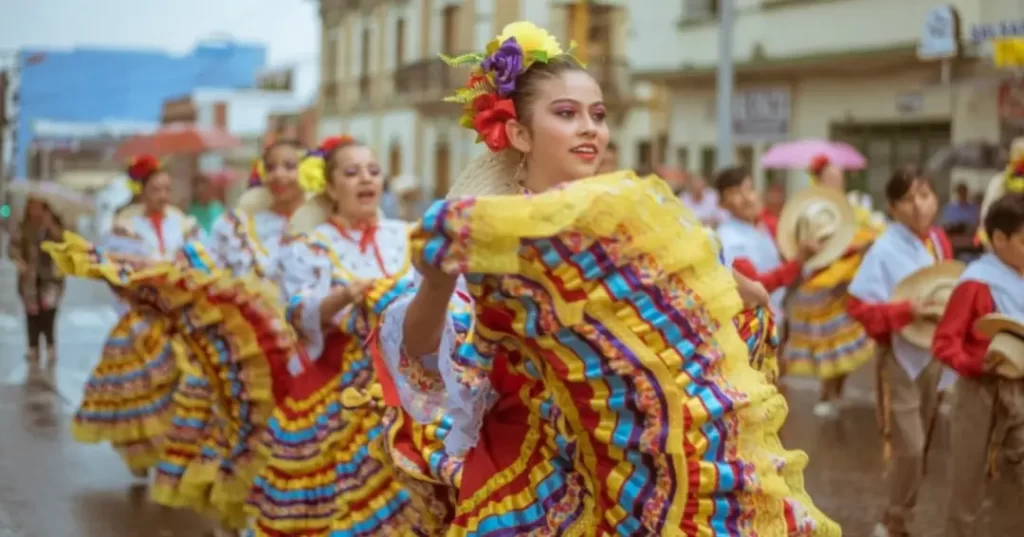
53 487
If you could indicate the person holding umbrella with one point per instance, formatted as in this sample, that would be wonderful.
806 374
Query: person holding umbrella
40 284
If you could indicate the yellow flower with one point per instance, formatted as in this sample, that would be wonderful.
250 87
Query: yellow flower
531 38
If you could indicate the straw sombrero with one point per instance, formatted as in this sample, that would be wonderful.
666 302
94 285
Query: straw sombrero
818 213
405 184
1006 351
933 284
490 174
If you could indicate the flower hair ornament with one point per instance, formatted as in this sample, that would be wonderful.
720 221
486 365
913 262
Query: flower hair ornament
817 165
257 173
313 166
486 99
1013 178
140 169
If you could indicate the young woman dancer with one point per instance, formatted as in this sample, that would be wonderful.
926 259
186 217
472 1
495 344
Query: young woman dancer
601 387
822 340
327 473
208 466
128 398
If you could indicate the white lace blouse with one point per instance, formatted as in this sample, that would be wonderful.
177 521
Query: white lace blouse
312 265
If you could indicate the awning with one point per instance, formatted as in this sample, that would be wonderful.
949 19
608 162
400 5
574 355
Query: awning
178 139
87 180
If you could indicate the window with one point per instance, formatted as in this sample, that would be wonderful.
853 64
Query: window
442 170
683 158
700 10
399 42
887 146
449 24
394 160
330 60
364 61
707 162
644 154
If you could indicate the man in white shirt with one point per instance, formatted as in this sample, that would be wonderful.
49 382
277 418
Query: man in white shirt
703 201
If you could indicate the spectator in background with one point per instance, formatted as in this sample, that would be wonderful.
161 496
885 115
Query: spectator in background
960 221
961 213
774 199
388 200
206 205
703 201
40 283
610 160
675 178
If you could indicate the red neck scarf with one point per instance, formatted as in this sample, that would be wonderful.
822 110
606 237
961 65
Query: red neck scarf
364 235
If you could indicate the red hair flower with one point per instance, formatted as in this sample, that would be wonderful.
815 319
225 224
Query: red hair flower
818 164
491 113
329 144
1018 168
142 166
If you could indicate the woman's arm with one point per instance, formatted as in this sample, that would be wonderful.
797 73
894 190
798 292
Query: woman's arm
314 298
427 312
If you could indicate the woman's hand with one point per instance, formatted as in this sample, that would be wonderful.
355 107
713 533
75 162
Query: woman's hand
341 298
753 293
435 280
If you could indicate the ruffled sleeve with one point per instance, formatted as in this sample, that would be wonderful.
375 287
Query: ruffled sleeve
440 385
306 272
227 245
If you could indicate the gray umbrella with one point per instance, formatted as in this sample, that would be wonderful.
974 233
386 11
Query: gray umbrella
975 154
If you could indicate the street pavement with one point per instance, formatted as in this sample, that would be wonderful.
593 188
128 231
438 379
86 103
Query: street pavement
51 486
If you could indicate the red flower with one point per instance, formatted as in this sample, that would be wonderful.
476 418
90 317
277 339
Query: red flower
1018 169
491 115
818 164
142 166
475 79
329 144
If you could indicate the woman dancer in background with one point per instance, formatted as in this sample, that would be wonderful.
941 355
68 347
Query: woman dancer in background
822 340
207 465
129 397
326 464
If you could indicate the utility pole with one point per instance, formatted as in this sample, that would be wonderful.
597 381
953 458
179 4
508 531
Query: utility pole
725 152
5 82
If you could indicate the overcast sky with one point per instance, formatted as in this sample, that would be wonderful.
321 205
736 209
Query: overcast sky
288 28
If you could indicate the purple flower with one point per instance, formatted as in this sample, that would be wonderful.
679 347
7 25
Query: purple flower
506 63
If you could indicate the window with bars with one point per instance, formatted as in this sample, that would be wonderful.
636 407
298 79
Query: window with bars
888 146
700 10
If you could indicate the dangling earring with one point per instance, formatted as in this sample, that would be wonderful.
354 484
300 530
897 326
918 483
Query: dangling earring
517 182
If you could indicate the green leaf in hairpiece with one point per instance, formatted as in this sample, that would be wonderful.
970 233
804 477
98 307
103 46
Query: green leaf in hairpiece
539 56
462 60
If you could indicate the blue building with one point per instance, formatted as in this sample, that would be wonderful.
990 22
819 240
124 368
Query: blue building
92 85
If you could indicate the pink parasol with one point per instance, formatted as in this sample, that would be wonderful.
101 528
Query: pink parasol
798 155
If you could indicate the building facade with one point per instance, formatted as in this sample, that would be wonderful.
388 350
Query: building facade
244 113
841 69
94 85
383 82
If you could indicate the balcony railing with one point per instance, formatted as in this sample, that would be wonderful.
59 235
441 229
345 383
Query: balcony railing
428 79
330 92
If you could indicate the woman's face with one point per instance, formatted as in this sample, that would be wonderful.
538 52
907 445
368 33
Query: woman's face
355 183
281 172
917 208
35 210
156 194
567 135
832 177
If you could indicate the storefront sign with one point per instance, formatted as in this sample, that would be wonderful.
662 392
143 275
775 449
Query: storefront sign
1008 52
940 37
761 114
993 30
